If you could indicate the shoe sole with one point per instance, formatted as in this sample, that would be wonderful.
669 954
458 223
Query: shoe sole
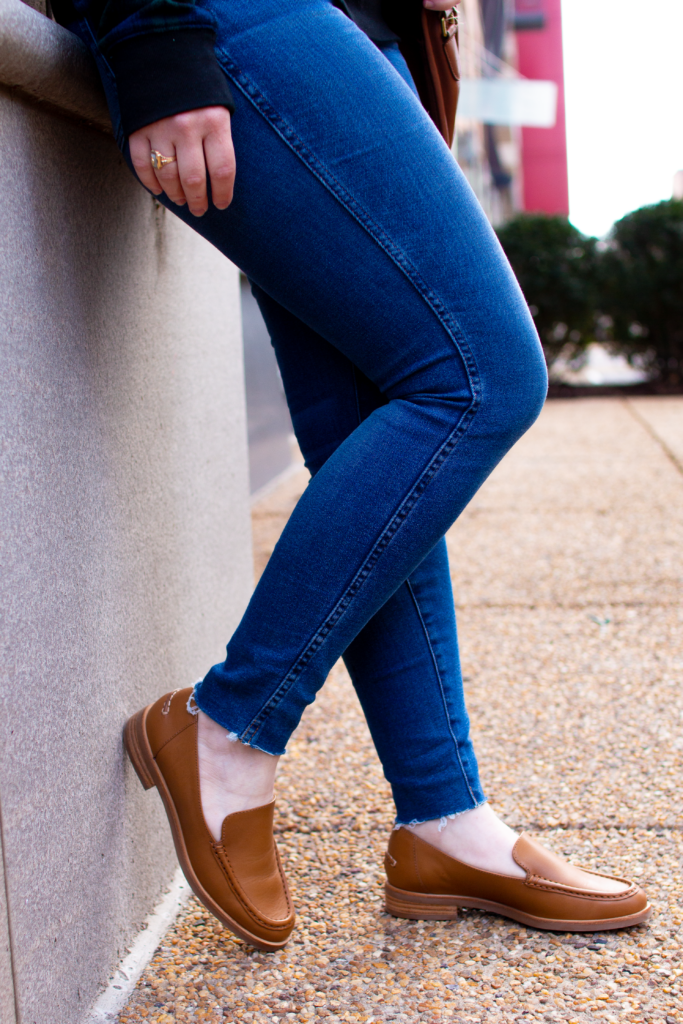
424 907
140 753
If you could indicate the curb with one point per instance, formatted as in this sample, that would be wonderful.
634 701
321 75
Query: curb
124 979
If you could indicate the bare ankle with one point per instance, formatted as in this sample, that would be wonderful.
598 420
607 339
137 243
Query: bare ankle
476 837
233 776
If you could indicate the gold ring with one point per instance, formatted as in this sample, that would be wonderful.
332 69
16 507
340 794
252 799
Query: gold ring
159 161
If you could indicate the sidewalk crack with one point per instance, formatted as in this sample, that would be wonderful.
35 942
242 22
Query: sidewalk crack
639 418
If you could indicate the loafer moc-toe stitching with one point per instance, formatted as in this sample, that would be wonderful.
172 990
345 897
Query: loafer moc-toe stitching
425 884
239 879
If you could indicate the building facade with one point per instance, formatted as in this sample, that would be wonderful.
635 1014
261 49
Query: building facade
510 133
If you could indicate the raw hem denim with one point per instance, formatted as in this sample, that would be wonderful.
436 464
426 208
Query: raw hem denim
411 365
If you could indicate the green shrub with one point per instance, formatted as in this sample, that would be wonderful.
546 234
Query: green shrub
642 286
557 268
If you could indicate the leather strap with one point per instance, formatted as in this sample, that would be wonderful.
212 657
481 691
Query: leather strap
430 49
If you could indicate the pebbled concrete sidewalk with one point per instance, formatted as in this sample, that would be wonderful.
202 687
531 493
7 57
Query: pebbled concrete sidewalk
568 575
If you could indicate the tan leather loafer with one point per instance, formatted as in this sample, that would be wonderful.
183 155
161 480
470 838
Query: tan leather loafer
426 884
240 879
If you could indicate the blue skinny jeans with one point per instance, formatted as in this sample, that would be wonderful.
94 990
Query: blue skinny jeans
411 366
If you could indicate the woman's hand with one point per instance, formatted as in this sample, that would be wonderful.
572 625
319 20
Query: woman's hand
201 141
439 5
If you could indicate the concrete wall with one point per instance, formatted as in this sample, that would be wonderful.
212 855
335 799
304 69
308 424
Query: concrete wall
125 544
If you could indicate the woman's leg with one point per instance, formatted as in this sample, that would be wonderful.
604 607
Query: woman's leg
405 662
350 212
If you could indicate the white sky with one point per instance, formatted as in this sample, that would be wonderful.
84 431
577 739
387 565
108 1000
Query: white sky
623 65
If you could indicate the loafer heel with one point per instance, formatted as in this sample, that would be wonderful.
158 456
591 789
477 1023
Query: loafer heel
135 741
415 906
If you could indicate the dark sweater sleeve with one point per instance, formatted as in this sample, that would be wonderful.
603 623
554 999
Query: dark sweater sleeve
160 51
159 74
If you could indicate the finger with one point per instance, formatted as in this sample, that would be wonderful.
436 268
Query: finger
220 163
168 176
140 155
192 171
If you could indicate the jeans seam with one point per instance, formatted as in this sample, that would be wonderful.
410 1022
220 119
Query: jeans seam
433 302
441 687
354 587
356 210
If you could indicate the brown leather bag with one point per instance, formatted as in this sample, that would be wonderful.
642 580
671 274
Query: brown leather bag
430 49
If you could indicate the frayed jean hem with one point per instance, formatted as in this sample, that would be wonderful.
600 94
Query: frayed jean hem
443 819
234 737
